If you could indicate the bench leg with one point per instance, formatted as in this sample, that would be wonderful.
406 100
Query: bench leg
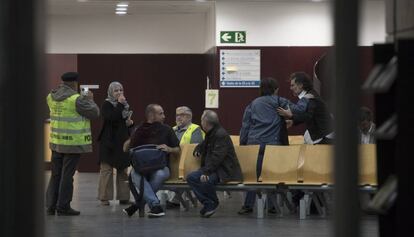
321 210
261 200
302 209
184 203
191 198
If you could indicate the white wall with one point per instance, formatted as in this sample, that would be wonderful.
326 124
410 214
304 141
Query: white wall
210 34
294 23
148 33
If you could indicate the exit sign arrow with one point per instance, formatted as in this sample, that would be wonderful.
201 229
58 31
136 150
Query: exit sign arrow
235 37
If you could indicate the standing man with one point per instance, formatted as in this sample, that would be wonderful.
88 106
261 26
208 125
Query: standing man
187 133
70 136
262 125
219 163
316 117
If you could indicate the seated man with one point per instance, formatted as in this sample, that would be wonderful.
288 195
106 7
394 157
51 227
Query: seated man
219 163
153 131
188 133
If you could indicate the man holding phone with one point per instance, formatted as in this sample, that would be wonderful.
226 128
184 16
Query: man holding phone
70 136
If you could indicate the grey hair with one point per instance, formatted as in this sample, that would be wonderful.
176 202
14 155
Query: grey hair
210 117
185 110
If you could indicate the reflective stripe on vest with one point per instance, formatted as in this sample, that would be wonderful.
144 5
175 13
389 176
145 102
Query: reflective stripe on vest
67 127
186 138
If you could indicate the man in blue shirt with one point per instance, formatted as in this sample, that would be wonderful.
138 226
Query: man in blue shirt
262 125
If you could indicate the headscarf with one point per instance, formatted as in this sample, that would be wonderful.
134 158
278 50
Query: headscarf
114 101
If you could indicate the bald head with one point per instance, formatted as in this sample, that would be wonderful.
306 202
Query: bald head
209 119
154 113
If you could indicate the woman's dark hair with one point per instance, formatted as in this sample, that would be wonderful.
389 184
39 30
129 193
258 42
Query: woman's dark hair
305 80
268 86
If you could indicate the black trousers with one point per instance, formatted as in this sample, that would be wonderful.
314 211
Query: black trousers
60 190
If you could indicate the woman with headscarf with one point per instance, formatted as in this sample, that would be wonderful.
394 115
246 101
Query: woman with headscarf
115 131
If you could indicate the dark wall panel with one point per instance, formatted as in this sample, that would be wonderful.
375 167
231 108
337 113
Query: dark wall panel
277 62
169 80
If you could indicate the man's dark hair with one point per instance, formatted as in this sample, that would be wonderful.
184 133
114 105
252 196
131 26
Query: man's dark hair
303 79
365 114
268 86
150 109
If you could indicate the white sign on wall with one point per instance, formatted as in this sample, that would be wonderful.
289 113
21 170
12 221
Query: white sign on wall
240 68
212 99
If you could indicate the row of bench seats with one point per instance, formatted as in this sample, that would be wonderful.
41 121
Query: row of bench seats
290 165
302 167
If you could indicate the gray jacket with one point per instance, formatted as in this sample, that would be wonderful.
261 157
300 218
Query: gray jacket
84 106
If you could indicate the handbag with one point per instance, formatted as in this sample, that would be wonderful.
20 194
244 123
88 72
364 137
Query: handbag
147 158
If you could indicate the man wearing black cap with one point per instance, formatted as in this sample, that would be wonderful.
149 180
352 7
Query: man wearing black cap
70 135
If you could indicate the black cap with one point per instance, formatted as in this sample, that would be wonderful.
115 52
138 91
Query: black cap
70 76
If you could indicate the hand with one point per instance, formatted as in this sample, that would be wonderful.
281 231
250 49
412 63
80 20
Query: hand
309 96
289 123
284 112
129 122
126 145
164 147
121 99
204 178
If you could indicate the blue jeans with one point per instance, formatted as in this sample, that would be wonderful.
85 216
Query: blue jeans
152 183
205 192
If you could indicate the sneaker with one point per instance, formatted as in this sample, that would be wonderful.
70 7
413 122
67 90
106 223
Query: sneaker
156 211
245 210
209 213
130 210
172 205
104 203
51 211
124 202
67 212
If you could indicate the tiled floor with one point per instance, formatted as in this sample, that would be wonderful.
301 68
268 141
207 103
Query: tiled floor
99 221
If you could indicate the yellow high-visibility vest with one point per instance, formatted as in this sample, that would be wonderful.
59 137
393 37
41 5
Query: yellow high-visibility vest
186 138
67 127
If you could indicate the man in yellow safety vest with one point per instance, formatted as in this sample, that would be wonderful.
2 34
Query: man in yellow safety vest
187 133
70 135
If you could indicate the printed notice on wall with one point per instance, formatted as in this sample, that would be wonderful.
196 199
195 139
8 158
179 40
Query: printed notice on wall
240 68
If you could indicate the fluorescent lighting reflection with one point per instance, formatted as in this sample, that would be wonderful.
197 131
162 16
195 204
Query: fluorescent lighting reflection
120 13
121 9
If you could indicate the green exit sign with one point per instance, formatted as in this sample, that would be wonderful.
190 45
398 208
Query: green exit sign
237 37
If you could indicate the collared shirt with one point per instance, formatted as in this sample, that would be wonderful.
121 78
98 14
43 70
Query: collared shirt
302 94
368 138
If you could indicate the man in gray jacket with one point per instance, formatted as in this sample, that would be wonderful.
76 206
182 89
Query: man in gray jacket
70 135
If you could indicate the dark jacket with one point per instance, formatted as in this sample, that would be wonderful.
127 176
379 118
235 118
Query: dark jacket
113 134
218 156
317 118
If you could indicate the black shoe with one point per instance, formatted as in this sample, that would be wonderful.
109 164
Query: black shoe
51 211
67 212
155 212
172 205
272 211
245 210
130 210
209 212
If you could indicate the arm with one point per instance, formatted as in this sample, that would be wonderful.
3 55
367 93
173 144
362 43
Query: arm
217 155
86 107
244 131
197 136
109 112
305 116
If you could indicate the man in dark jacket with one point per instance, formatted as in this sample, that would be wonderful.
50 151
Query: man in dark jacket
317 117
219 163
